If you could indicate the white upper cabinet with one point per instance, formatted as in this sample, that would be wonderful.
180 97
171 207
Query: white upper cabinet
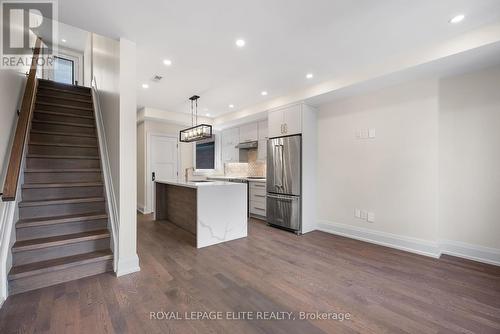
230 137
292 120
248 132
285 121
275 125
262 130
229 140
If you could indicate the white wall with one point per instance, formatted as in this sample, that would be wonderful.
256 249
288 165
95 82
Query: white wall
106 70
170 117
394 175
470 158
11 90
431 175
141 167
128 261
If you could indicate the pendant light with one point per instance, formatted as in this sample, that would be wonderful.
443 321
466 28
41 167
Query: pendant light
195 132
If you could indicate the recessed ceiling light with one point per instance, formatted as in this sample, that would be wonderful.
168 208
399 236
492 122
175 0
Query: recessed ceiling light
231 106
309 75
145 86
263 93
457 18
167 62
240 43
63 40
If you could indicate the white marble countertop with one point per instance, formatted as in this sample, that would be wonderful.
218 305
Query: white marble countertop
196 184
246 178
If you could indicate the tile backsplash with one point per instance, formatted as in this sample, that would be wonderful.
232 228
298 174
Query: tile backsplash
255 168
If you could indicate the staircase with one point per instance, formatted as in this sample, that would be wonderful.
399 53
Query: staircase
62 233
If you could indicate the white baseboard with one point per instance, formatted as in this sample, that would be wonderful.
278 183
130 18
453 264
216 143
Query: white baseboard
413 245
127 266
470 252
141 208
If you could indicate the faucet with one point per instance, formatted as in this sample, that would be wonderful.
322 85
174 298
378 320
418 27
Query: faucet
186 172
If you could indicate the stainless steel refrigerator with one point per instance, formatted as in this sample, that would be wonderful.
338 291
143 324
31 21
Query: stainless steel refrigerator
284 178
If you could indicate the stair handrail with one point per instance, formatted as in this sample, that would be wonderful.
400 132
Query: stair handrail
22 129
106 170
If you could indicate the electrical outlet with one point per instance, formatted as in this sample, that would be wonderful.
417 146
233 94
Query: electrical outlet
370 217
371 133
364 214
357 213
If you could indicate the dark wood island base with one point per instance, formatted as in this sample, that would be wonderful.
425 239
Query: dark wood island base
176 205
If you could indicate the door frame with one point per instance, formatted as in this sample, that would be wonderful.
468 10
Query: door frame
150 193
74 56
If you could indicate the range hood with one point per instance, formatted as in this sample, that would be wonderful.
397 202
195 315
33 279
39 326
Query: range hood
248 145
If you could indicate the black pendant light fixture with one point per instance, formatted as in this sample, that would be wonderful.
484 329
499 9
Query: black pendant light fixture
196 131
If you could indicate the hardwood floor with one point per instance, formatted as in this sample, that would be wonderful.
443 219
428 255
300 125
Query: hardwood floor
385 290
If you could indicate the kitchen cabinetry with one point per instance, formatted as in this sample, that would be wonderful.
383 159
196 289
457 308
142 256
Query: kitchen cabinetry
248 132
300 119
229 139
262 148
257 199
285 121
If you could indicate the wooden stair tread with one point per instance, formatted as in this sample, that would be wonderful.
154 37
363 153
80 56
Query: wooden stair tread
58 264
67 91
62 170
24 204
57 113
60 133
61 185
62 144
23 223
60 240
89 100
55 83
64 123
65 106
48 156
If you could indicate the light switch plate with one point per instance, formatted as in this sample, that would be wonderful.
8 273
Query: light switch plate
371 133
357 213
364 214
370 217
364 133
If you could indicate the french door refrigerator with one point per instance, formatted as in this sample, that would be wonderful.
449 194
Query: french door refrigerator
284 178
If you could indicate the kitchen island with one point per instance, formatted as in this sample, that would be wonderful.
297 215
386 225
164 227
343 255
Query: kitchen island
213 211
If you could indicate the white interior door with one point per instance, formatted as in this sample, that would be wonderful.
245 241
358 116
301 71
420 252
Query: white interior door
163 162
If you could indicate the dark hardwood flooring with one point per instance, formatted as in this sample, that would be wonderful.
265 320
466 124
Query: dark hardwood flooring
385 290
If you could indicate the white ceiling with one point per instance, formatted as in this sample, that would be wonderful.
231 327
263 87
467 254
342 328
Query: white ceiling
285 40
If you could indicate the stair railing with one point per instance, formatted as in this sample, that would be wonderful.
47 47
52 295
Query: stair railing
22 129
106 171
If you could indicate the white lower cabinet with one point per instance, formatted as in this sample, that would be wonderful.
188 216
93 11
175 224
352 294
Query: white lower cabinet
257 200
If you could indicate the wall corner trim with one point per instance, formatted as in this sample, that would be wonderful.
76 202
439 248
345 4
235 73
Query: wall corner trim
127 266
412 245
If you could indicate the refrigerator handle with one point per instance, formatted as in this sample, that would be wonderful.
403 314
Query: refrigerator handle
278 166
